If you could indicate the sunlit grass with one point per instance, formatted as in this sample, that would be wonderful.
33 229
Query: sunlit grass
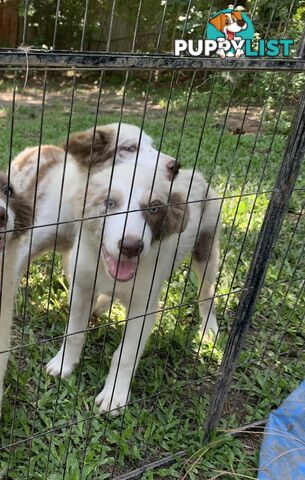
166 422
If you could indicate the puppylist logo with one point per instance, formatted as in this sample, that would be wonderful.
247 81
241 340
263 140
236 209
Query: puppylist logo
230 33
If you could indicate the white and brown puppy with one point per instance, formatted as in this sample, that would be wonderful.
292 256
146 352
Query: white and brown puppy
138 227
15 218
49 177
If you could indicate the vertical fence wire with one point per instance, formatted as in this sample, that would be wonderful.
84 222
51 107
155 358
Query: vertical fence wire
53 256
25 21
249 294
277 208
274 333
56 23
85 19
223 261
128 308
12 126
29 256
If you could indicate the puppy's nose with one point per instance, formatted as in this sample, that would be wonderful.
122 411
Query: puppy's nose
2 217
173 167
131 246
241 23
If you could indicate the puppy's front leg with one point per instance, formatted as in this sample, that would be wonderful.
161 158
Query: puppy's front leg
125 359
5 337
6 316
70 351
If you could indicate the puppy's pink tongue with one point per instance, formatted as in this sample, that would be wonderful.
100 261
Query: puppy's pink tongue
123 270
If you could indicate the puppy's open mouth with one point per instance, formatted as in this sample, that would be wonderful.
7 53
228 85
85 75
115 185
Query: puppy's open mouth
120 269
230 35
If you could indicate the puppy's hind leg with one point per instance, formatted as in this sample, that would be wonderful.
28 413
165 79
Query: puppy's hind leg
205 264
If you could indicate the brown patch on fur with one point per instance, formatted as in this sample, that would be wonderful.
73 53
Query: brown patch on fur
48 153
203 246
3 184
23 159
91 151
169 219
19 204
23 214
173 168
49 156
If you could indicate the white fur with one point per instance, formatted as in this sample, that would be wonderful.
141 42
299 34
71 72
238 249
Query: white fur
58 187
139 295
9 280
53 192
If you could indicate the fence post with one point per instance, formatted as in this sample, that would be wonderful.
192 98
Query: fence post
273 220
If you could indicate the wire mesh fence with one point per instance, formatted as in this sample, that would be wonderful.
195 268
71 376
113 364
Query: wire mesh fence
105 214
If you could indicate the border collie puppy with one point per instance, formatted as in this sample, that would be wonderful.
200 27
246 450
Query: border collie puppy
15 219
49 176
136 227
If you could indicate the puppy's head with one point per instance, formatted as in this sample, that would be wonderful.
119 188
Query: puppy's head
119 144
139 211
229 22
15 212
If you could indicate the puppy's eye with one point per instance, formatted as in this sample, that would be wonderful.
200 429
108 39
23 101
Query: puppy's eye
7 190
153 209
109 203
131 148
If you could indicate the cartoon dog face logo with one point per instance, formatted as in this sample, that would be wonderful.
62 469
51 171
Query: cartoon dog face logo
230 25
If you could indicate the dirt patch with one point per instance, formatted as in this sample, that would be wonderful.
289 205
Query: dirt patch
241 120
109 101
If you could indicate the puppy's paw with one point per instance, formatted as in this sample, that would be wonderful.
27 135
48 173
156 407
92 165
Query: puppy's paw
209 327
113 402
59 366
207 337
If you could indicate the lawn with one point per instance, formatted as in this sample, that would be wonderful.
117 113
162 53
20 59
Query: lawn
170 393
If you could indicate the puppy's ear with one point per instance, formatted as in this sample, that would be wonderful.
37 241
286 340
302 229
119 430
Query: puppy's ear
177 215
23 214
173 168
88 150
219 21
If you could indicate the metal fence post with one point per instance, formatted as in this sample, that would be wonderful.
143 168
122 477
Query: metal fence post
270 230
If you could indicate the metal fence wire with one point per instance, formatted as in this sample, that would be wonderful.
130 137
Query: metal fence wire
241 123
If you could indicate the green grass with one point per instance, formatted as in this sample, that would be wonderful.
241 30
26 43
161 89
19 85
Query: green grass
167 413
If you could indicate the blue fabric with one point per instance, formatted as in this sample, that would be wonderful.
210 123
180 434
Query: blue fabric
282 455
